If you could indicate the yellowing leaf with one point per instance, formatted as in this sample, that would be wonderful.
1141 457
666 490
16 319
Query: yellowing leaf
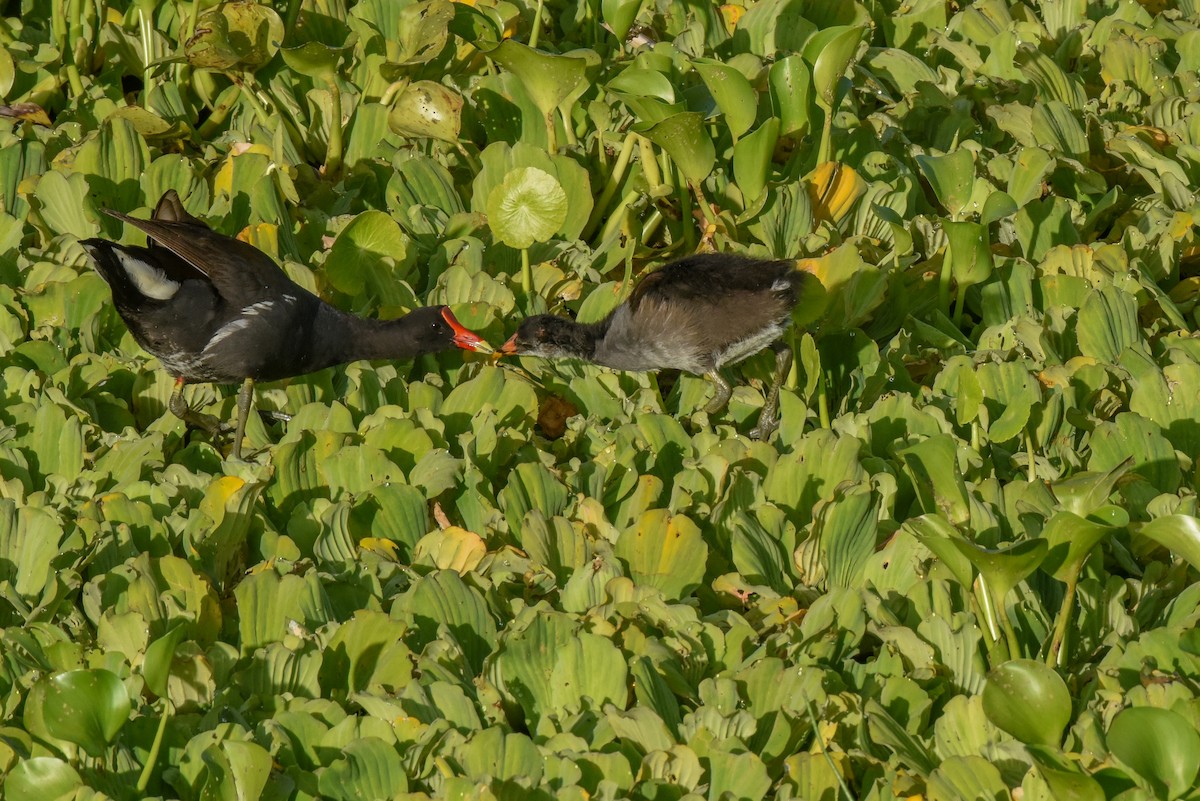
452 549
834 188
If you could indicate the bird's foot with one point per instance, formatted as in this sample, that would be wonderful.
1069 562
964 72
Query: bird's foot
764 429
723 393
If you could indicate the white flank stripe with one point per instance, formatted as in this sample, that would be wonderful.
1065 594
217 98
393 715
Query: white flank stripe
254 309
150 281
226 330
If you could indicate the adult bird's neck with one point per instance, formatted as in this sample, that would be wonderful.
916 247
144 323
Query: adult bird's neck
365 338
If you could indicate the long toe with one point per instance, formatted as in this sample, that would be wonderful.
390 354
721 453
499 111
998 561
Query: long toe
764 429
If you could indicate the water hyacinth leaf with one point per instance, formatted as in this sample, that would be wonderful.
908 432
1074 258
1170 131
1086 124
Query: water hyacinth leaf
235 36
997 206
619 15
634 83
1003 568
315 60
8 72
1070 539
790 82
686 141
734 95
1087 494
550 79
970 253
830 52
156 667
664 551
366 768
369 259
952 177
1178 533
86 707
528 206
41 779
1028 700
1160 745
752 159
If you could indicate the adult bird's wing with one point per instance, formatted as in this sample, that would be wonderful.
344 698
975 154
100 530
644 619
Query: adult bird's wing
235 268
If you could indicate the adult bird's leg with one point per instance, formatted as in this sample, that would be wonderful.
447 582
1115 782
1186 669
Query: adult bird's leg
724 391
245 398
768 418
191 417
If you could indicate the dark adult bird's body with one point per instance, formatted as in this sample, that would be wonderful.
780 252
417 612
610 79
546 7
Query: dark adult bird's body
214 308
697 314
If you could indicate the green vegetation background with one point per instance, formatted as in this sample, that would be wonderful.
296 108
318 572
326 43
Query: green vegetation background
964 568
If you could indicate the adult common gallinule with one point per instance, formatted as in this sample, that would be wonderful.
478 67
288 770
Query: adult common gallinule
695 314
214 308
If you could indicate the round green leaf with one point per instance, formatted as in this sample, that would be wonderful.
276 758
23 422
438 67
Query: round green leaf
528 206
86 707
1161 746
41 779
1028 700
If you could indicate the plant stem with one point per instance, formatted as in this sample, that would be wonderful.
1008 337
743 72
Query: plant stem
705 209
1032 471
147 56
333 153
537 24
812 718
565 113
617 217
220 111
822 401
152 757
793 377
959 297
526 274
1054 652
826 148
610 186
944 284
551 134
649 164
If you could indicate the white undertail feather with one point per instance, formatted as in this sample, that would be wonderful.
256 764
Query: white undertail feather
149 280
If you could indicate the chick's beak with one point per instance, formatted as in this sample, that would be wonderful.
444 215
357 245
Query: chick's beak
463 337
509 348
